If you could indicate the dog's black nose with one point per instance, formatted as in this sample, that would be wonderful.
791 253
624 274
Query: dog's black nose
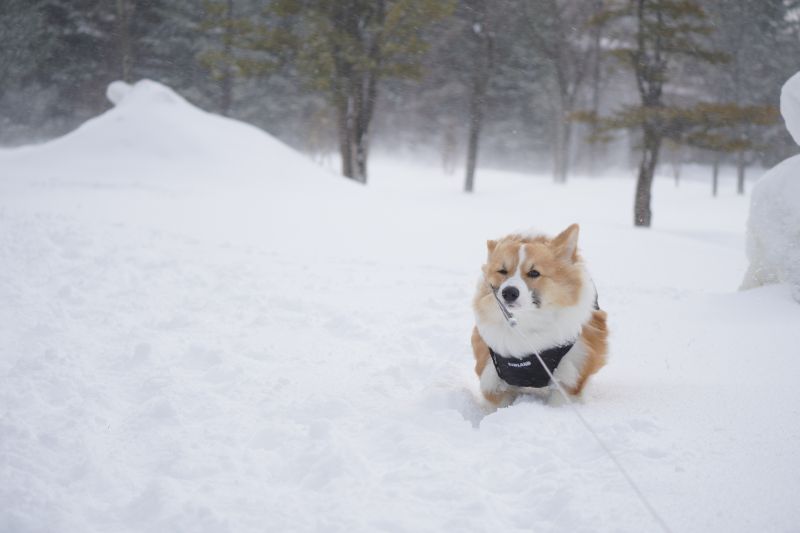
510 294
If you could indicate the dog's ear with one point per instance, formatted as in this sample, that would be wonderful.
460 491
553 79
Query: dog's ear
490 246
565 245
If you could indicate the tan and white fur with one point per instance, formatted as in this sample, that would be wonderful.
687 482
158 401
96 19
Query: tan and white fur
555 306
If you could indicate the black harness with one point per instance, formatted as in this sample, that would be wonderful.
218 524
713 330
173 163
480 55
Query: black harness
528 371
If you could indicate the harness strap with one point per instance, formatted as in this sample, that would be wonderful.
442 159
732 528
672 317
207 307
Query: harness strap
528 371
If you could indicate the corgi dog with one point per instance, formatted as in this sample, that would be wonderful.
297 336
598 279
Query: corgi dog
543 283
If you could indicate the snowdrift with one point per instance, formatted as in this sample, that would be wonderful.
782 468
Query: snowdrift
773 228
154 133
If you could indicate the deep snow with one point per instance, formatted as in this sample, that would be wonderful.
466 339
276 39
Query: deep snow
202 331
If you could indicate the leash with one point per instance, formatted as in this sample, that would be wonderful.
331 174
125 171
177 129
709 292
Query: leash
639 494
506 313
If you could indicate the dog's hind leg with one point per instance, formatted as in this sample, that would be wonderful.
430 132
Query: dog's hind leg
594 336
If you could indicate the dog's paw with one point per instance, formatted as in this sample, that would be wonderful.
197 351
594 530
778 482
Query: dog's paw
499 399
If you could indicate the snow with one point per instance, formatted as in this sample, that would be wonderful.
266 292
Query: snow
773 227
790 106
204 332
118 90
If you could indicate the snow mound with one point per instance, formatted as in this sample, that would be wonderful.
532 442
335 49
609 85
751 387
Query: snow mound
790 106
158 134
773 228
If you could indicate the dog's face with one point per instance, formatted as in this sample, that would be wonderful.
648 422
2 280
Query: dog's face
532 273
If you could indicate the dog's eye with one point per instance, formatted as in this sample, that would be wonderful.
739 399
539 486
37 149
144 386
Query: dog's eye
534 274
502 271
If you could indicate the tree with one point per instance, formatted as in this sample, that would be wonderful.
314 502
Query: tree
99 41
483 41
719 128
27 44
222 56
557 30
597 76
458 95
346 47
662 31
122 37
220 19
758 39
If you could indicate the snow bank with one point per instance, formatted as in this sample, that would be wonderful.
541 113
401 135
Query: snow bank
773 228
158 134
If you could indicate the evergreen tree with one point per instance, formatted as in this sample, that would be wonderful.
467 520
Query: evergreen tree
653 35
26 46
242 41
759 40
345 47
99 42
222 60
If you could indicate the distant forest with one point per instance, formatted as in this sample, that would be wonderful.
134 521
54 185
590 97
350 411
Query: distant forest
556 85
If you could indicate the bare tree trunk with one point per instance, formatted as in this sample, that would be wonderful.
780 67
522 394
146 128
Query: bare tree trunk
642 214
227 73
363 120
475 122
715 176
675 160
561 151
743 133
449 148
353 138
598 33
650 84
344 16
357 132
741 167
123 31
357 85
360 150
345 136
480 84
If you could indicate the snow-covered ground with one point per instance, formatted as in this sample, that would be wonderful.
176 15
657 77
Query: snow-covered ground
201 331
